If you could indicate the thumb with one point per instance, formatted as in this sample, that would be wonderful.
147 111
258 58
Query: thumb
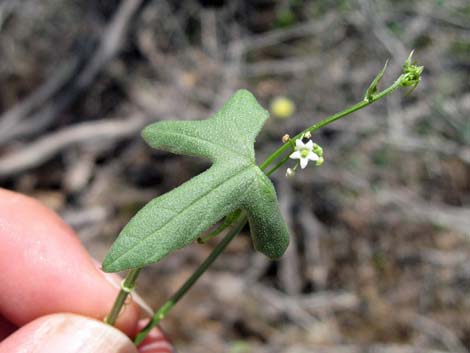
67 333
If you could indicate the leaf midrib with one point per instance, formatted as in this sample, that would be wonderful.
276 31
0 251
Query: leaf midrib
223 147
180 213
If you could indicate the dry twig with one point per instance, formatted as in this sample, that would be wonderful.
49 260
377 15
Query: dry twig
46 147
51 99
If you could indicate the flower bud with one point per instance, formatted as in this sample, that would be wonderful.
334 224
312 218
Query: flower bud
290 173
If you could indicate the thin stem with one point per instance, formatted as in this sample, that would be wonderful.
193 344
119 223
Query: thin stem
241 220
126 288
227 222
170 303
278 165
362 104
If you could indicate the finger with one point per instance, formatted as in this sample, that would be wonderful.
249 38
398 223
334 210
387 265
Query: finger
46 270
116 281
67 333
155 342
6 328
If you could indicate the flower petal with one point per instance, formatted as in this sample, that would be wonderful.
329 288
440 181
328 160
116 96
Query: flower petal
299 144
309 145
312 156
303 162
295 155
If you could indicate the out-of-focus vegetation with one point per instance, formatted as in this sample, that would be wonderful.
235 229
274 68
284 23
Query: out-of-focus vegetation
379 260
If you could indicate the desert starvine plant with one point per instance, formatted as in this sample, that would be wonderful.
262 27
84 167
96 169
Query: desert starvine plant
234 181
234 187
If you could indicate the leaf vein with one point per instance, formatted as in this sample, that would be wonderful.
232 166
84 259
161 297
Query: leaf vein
179 214
218 145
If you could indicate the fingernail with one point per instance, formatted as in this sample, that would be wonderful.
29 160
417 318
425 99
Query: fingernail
70 333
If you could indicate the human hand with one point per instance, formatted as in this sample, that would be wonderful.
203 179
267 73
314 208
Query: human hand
53 297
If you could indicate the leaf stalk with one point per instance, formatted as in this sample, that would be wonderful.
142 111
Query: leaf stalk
186 286
127 286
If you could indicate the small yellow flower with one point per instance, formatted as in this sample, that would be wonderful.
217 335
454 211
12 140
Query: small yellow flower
282 107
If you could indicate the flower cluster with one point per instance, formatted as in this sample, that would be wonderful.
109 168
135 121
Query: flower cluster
411 73
304 153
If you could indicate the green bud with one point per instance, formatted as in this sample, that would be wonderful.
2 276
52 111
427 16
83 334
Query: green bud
373 86
411 73
317 150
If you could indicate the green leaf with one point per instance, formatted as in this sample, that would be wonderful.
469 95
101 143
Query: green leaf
228 220
372 90
234 181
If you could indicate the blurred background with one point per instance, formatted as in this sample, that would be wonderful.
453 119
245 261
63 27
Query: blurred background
379 254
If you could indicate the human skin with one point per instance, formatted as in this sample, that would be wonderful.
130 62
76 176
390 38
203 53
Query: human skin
53 296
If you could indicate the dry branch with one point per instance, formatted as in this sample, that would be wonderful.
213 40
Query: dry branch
48 146
457 218
53 98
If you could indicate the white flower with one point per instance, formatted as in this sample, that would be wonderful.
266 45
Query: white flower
304 152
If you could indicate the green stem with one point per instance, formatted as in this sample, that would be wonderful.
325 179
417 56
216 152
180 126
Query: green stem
362 104
278 165
170 303
126 288
242 219
227 222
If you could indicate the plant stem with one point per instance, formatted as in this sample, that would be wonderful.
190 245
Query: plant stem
170 303
277 166
362 104
240 222
126 288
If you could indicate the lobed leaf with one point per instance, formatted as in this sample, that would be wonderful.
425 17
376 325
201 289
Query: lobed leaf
234 181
